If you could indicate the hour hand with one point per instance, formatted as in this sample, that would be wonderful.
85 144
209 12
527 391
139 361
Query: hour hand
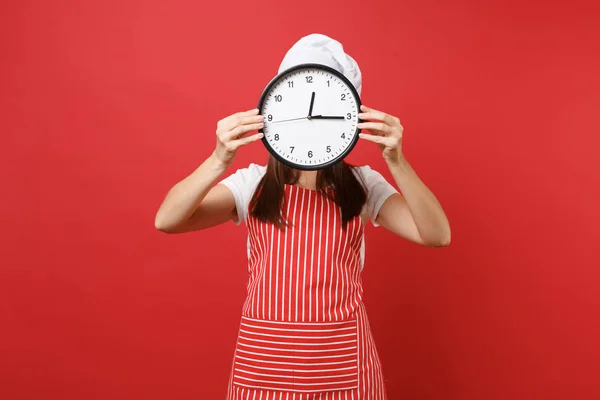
312 103
327 117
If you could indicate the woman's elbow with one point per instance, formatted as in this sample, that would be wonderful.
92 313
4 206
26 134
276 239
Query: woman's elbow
442 241
163 226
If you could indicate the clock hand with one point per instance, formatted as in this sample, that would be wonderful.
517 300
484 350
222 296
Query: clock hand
286 120
327 117
312 103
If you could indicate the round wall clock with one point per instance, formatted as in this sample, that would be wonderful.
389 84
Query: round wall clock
311 116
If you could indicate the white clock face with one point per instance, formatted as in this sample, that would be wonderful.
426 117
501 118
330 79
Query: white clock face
311 117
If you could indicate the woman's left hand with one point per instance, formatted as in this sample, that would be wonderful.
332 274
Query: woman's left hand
386 131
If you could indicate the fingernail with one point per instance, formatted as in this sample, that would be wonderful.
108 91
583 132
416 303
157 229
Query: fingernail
361 115
261 118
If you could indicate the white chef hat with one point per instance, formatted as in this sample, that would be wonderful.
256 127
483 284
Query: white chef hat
320 49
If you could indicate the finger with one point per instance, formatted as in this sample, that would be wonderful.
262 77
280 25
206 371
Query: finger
247 140
229 122
237 120
366 109
242 130
247 113
380 140
241 121
370 113
377 116
253 111
370 138
375 126
253 119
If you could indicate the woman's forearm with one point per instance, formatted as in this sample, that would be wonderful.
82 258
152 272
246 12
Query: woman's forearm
424 207
185 197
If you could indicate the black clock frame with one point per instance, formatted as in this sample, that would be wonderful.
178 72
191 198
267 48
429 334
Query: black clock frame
276 79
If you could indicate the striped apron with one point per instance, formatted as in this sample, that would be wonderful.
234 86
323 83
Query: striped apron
304 332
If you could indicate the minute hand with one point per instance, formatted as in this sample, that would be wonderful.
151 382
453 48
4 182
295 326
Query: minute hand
327 117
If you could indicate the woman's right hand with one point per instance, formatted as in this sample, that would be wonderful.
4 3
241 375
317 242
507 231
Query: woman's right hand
231 131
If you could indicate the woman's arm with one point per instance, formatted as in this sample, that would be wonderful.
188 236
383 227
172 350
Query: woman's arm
416 214
195 203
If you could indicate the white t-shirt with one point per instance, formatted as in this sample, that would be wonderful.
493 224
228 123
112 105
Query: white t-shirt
243 183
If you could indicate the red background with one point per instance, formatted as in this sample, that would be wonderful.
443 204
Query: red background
106 104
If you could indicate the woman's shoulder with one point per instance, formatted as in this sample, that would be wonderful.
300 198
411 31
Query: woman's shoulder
257 168
246 177
253 171
365 172
373 181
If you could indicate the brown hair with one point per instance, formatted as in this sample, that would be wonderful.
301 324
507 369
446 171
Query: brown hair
268 200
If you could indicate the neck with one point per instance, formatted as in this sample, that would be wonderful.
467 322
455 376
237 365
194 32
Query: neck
308 179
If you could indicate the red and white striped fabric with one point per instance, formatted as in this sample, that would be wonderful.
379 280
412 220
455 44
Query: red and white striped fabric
298 357
304 333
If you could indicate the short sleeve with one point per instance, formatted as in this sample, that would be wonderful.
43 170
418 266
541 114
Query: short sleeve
242 185
378 190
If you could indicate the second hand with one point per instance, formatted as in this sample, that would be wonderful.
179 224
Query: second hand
286 120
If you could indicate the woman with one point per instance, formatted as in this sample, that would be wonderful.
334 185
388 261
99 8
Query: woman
304 332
